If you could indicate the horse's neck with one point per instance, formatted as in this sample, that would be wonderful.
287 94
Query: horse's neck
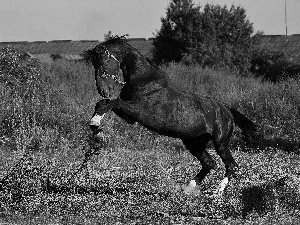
141 75
140 69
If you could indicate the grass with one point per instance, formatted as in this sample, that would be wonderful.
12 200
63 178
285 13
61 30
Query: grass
274 106
136 176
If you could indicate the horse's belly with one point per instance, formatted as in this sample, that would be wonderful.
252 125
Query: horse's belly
176 120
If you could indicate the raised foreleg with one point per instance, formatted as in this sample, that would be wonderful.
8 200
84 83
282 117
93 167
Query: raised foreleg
128 111
101 108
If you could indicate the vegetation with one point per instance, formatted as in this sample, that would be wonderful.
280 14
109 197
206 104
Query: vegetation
272 65
217 37
264 102
135 177
214 36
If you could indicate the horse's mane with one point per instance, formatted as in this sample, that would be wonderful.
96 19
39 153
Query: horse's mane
152 63
116 39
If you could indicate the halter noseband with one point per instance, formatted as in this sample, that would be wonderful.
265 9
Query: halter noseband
104 71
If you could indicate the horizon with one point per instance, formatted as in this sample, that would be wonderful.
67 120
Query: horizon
131 38
42 20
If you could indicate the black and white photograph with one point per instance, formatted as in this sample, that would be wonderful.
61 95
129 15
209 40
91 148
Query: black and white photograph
179 112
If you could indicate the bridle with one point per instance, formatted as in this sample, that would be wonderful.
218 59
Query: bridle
116 78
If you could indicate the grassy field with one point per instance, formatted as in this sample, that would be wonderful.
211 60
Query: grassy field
136 175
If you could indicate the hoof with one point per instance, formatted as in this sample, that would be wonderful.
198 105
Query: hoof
191 188
96 120
220 191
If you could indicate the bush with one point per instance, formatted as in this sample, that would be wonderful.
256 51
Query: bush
44 112
22 93
38 96
272 65
213 37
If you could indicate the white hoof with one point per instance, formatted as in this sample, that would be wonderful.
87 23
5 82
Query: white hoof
219 192
96 120
191 188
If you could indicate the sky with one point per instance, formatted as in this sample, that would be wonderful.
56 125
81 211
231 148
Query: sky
46 20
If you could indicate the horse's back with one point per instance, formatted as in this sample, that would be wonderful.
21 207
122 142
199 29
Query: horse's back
179 113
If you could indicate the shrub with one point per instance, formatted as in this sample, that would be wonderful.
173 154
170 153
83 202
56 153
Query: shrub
56 56
38 100
272 65
22 86
213 37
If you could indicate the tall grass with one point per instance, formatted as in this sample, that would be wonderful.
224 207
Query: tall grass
136 176
274 106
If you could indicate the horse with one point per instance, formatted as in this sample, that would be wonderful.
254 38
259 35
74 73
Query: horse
138 91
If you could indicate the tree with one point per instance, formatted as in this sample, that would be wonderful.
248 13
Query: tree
214 36
177 32
225 40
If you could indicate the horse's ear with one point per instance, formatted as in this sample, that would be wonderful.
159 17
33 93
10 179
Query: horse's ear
124 37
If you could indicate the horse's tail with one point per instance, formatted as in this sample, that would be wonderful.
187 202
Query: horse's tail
250 130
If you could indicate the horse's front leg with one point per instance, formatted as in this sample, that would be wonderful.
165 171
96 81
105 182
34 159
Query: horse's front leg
127 110
130 111
102 107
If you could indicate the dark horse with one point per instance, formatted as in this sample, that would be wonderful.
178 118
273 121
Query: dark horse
137 91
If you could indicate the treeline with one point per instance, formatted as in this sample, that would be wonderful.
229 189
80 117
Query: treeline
217 37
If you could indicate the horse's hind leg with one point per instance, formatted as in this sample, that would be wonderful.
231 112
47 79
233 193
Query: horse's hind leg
197 146
221 147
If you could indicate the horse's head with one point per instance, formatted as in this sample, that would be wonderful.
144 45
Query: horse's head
120 69
108 74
